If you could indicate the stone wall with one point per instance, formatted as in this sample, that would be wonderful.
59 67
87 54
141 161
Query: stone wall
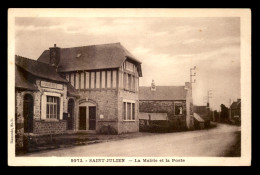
128 126
49 127
106 105
165 107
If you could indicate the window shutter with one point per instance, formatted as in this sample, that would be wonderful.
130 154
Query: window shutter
43 107
61 108
58 108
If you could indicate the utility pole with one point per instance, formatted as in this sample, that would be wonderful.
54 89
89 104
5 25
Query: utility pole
192 74
210 96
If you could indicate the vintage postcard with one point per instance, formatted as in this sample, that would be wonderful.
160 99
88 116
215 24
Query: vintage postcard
129 87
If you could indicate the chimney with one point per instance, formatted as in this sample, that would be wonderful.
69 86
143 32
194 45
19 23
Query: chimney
153 87
187 85
54 56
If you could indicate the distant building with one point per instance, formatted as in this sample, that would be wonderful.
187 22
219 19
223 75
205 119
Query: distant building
172 102
235 111
204 113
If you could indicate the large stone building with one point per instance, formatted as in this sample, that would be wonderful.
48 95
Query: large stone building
107 80
173 101
81 89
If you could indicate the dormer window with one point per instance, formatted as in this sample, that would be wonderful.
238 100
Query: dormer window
78 55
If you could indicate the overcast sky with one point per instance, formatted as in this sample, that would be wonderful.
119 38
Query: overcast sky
167 48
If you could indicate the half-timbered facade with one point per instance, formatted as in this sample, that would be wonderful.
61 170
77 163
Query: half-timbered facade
107 80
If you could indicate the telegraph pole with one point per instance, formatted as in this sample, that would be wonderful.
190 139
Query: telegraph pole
210 96
191 75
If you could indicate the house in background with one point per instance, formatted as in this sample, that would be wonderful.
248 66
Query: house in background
175 102
106 77
204 114
235 111
42 100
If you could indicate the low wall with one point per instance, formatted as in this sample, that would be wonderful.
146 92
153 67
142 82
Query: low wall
50 127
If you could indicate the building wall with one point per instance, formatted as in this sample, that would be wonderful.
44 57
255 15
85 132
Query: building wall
41 124
106 106
128 126
109 104
165 107
49 127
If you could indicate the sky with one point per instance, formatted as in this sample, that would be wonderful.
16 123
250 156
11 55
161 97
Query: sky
167 47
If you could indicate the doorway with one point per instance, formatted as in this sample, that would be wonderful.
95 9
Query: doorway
70 119
82 117
28 113
92 118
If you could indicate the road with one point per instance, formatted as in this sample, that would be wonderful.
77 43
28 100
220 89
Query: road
214 142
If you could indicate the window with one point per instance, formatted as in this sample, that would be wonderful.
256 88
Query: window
128 111
72 79
92 80
53 108
108 79
103 83
82 80
129 66
133 111
129 82
114 79
77 81
97 79
87 80
178 109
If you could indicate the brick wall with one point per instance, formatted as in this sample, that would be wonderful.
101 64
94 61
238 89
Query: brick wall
49 127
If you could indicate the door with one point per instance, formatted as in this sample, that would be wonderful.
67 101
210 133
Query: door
82 118
92 118
71 114
28 113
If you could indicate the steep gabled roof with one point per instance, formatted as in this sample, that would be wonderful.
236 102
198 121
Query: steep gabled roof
92 57
163 93
235 105
21 81
38 69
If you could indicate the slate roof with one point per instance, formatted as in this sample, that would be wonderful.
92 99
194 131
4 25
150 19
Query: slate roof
162 93
92 57
21 81
38 69
154 116
72 91
198 117
235 105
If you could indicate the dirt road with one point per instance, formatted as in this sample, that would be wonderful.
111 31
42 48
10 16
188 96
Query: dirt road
213 142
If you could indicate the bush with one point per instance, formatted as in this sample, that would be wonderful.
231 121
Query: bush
162 127
108 130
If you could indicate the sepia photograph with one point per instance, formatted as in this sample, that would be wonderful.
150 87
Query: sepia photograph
129 87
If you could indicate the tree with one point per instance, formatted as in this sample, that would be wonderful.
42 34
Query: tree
223 113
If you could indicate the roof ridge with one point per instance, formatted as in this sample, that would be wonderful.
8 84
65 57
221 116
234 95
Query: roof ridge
90 45
33 60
